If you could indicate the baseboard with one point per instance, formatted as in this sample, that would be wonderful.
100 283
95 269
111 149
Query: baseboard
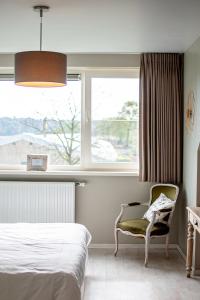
132 246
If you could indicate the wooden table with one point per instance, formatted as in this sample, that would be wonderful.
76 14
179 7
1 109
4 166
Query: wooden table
193 224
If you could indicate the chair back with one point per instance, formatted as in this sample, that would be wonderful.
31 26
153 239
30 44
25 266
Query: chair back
170 190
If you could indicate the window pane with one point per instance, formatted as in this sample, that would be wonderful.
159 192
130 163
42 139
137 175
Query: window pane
40 121
115 120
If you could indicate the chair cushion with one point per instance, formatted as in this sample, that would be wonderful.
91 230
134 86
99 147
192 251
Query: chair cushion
139 226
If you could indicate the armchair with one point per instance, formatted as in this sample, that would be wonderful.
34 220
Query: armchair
141 227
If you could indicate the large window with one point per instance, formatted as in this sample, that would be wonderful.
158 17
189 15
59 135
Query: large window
92 123
34 120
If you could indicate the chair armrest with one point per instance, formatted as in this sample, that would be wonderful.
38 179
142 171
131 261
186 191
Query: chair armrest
168 214
138 203
148 231
125 205
165 210
157 212
134 203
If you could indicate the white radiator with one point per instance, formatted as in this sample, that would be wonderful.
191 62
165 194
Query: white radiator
37 202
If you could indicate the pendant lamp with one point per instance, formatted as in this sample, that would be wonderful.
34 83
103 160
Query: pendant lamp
40 68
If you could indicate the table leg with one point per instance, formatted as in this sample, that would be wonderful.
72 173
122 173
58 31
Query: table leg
190 238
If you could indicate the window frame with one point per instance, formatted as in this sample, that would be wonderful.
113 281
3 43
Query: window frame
86 163
102 73
8 75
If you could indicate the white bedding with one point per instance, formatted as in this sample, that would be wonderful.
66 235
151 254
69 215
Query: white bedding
42 261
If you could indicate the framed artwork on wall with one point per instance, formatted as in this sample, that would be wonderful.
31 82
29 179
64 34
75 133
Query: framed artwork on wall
190 111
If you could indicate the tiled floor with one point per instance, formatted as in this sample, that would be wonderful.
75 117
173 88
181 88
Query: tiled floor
125 278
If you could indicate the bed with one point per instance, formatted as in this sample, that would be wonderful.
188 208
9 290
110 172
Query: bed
42 261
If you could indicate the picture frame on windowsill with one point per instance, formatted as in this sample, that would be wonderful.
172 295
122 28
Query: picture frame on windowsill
37 162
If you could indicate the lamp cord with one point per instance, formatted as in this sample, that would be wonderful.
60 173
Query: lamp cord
41 16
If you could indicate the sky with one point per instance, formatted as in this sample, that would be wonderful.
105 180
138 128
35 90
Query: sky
110 94
108 97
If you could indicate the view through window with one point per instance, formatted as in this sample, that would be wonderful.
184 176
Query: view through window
48 121
40 121
115 120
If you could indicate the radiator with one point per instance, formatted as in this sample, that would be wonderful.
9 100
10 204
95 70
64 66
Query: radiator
37 202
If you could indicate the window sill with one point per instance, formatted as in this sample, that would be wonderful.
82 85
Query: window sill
11 173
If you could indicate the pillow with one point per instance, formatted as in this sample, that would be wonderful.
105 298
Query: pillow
162 202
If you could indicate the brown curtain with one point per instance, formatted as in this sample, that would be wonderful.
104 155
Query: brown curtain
161 110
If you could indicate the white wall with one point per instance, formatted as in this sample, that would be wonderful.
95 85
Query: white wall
85 61
191 140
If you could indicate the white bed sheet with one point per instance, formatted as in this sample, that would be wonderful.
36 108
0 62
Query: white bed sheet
42 261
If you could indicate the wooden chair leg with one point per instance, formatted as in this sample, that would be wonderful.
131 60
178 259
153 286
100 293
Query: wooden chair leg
147 242
167 246
190 240
116 242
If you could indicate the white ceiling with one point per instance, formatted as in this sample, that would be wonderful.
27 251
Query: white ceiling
103 26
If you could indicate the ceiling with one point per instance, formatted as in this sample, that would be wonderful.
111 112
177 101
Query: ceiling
105 26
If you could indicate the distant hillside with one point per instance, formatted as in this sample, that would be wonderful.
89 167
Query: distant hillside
12 126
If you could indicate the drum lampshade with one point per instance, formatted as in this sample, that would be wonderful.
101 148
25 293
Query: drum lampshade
40 69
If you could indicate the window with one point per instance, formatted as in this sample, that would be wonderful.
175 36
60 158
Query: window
115 119
34 120
92 123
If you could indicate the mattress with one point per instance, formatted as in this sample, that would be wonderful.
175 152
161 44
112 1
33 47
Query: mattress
42 261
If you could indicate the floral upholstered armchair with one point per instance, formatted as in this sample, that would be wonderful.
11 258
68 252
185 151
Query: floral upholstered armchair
156 221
